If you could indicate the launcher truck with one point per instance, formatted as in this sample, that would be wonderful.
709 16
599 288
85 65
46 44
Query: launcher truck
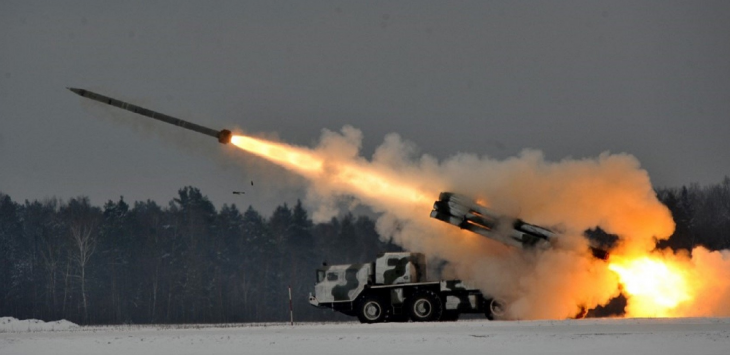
395 288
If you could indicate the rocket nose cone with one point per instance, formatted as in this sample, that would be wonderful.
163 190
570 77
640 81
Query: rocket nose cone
77 91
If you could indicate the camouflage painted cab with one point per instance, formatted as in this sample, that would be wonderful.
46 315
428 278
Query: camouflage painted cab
394 288
338 283
400 268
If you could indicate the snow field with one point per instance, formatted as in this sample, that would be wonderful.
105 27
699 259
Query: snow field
593 336
10 324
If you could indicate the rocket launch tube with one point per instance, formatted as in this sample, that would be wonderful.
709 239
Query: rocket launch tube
466 213
224 136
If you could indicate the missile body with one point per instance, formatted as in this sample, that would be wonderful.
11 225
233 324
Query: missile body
223 136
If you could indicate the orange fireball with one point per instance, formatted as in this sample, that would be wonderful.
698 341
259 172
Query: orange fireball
654 286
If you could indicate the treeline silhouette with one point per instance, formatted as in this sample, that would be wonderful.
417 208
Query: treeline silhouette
182 263
189 263
702 215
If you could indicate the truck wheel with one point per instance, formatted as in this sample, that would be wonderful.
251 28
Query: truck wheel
424 306
371 309
493 309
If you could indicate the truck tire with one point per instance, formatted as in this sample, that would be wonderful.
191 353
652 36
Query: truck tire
424 306
493 308
371 309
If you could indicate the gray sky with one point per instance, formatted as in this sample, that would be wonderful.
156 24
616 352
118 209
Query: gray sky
570 78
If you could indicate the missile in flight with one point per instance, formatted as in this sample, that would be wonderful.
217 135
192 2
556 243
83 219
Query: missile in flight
223 136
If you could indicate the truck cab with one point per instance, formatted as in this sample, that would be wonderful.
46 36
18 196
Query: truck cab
341 283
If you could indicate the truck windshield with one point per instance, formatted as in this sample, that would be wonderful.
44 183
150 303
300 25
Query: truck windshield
320 276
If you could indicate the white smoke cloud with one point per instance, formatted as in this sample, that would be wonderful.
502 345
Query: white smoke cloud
610 191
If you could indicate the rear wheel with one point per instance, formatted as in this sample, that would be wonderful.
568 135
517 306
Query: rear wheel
424 306
371 309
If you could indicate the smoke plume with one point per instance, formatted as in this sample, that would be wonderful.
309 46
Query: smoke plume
611 192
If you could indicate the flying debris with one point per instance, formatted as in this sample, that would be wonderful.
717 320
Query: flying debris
223 136
239 192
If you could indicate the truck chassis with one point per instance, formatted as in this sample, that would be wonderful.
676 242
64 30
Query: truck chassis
393 289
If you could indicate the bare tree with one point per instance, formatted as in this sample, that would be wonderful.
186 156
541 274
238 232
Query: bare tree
51 255
83 220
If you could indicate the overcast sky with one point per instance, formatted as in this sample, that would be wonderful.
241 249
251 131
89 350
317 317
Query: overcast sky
570 78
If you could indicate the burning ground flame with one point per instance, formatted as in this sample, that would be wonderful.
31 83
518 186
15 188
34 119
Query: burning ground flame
665 284
656 287
611 192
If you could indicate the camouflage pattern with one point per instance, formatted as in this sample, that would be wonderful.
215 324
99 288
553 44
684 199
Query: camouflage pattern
462 302
341 282
460 296
455 285
400 268
393 279
396 296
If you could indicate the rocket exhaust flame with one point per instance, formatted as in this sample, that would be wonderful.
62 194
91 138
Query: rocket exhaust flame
353 177
295 159
656 287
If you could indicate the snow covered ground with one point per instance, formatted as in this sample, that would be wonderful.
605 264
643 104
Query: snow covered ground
9 324
591 336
